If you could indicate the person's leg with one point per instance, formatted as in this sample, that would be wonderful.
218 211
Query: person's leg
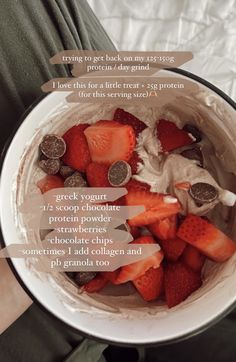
31 32
39 337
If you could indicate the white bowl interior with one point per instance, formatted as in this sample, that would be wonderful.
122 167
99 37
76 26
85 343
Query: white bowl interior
119 315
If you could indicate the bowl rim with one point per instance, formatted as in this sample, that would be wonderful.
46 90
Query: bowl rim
183 337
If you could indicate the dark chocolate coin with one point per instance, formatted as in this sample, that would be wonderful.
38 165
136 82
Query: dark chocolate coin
53 146
50 166
66 171
124 227
75 180
119 173
194 154
82 278
42 156
71 275
194 131
44 232
203 192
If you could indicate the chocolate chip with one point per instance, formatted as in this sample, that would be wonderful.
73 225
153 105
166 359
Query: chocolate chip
42 156
53 146
194 154
71 275
180 219
198 204
194 131
76 180
50 166
124 227
119 173
82 278
66 171
44 232
203 193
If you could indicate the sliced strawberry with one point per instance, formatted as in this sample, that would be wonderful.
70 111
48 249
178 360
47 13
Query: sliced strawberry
172 248
110 141
111 276
50 182
193 258
137 185
150 284
165 228
96 284
155 204
77 153
124 117
206 238
171 137
135 231
185 186
81 127
135 270
179 282
97 175
134 162
118 202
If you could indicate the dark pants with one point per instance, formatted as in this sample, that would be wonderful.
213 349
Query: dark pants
39 337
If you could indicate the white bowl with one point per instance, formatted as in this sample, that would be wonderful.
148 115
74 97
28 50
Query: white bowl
116 319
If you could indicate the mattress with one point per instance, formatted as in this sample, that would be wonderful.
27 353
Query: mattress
205 27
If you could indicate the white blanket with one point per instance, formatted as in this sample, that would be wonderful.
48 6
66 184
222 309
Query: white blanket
205 27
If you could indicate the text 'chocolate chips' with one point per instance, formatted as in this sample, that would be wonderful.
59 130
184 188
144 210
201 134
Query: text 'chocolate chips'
53 146
203 192
50 166
194 131
194 153
76 180
119 173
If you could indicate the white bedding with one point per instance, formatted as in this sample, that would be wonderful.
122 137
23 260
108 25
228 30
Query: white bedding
206 27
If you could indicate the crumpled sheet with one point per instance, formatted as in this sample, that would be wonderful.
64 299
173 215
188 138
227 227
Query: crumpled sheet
205 27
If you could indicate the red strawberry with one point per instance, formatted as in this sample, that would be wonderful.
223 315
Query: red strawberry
150 284
179 282
206 238
137 185
110 141
193 258
50 182
155 204
124 117
135 231
97 175
81 127
77 153
165 228
173 248
185 186
136 269
111 276
96 284
133 161
118 202
171 137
